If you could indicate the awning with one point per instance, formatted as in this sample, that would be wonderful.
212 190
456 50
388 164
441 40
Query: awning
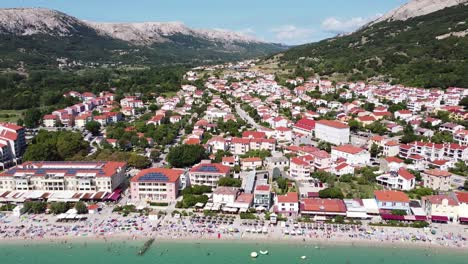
439 218
463 219
392 217
361 215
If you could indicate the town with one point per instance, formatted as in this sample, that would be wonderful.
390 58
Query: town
237 141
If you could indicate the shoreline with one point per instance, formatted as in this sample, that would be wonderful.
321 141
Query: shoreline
315 242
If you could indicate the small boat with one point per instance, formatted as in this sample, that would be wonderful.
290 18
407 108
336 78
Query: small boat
264 252
303 257
253 254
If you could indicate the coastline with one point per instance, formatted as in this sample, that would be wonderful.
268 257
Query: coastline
312 242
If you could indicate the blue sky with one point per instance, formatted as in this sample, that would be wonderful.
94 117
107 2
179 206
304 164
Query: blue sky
286 21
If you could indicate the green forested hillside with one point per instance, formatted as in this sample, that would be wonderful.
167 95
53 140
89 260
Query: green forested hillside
407 52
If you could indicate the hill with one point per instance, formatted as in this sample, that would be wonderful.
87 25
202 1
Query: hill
37 37
423 49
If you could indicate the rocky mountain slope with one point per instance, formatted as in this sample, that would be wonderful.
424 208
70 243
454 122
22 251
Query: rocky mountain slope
417 8
407 45
38 36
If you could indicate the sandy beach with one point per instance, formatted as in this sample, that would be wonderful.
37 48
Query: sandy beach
115 228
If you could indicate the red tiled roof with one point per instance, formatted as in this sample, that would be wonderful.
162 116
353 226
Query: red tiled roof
332 123
437 173
393 159
462 197
323 205
253 134
437 199
291 197
391 196
405 174
252 159
262 188
217 168
172 175
348 148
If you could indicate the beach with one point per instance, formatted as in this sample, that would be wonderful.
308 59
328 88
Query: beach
111 227
211 252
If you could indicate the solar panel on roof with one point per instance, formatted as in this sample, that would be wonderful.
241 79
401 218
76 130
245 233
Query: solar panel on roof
208 169
153 176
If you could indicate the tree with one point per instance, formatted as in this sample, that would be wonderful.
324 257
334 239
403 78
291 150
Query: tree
333 192
58 207
442 137
465 185
186 155
228 181
81 208
354 125
138 161
323 145
32 117
464 102
33 207
94 127
374 150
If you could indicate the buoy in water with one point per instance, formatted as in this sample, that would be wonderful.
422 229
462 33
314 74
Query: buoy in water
303 257
264 252
253 254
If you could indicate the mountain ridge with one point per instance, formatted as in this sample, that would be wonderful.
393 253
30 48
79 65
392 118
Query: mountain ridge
428 51
40 37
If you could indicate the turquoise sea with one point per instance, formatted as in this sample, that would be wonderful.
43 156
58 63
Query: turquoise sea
218 253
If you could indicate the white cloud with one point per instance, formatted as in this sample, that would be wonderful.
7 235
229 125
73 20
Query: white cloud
338 26
292 34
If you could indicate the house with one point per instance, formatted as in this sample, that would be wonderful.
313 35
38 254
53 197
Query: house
300 168
352 154
208 174
441 208
437 179
322 208
251 163
461 137
400 179
262 196
156 185
403 114
155 120
451 127
276 162
12 144
287 205
332 132
392 200
304 126
225 195
391 164
228 161
50 120
283 134
342 168
391 148
462 199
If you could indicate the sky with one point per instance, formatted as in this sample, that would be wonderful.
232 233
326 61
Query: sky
288 21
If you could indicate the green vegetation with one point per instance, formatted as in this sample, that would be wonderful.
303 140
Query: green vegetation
460 168
32 207
81 208
417 193
332 192
59 207
406 51
56 146
186 155
228 181
257 153
7 207
93 127
395 223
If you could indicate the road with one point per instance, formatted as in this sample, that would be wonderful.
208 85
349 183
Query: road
246 117
458 181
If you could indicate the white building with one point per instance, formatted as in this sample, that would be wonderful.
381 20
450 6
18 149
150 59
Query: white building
332 131
352 154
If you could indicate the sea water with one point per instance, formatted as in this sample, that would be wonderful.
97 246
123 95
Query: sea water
219 253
